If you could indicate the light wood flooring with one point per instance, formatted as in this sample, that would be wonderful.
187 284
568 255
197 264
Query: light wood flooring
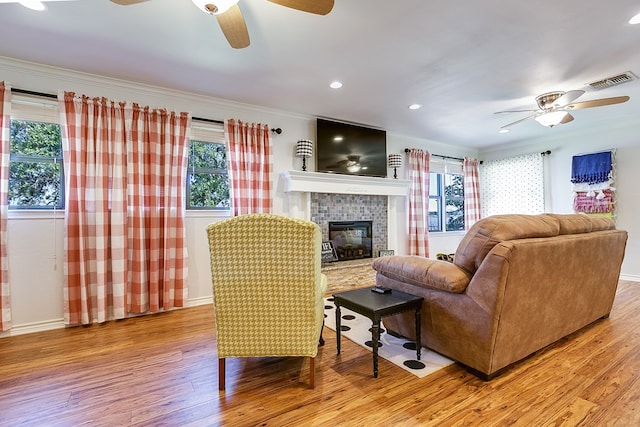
161 370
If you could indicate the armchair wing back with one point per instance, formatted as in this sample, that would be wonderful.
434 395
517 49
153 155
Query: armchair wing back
267 287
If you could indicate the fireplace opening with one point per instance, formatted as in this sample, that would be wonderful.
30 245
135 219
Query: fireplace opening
351 239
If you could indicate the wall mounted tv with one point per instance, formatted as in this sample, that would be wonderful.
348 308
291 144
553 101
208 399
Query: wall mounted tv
350 149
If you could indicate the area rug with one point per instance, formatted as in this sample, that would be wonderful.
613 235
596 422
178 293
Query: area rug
397 350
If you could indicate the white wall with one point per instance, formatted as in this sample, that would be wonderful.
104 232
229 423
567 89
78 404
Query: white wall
567 141
36 239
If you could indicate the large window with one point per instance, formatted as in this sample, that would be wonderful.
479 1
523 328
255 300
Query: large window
36 179
446 198
207 177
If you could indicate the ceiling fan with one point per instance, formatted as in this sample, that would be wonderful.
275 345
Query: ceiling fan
231 20
553 107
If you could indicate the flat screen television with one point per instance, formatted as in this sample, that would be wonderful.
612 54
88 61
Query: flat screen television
350 149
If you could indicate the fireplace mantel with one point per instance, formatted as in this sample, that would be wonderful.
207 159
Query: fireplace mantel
299 186
315 182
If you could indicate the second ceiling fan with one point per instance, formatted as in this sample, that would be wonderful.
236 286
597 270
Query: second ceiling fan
553 107
231 20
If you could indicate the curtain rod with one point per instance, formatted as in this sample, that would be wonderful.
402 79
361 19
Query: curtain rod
407 150
544 153
53 96
31 92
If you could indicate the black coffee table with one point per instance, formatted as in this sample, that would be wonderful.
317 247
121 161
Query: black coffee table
375 306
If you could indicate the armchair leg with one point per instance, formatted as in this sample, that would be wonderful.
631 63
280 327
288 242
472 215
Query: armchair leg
321 341
312 372
221 373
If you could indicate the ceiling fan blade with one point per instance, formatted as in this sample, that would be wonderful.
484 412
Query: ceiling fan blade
518 121
568 98
319 7
597 103
128 2
234 28
515 111
566 119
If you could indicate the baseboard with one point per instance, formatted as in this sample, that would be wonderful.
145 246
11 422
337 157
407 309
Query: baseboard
630 277
48 325
29 328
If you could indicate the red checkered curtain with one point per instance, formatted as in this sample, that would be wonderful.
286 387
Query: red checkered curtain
5 126
419 202
250 167
156 174
125 246
471 183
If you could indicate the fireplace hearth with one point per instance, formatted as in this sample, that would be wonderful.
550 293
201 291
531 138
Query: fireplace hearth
351 239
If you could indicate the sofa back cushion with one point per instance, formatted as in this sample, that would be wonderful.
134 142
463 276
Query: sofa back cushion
581 223
488 232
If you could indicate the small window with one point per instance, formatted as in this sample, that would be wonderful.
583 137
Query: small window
446 202
207 178
36 172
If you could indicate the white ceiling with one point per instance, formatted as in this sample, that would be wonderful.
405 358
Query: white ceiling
461 62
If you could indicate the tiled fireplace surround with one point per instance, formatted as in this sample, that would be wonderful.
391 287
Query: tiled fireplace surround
322 197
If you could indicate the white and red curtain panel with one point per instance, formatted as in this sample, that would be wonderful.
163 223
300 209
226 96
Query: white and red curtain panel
250 167
418 171
471 183
5 126
125 247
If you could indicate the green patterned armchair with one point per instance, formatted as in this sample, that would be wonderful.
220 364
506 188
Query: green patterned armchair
267 288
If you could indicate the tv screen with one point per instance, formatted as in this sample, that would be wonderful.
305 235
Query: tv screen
350 149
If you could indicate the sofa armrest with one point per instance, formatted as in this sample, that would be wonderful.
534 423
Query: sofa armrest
424 272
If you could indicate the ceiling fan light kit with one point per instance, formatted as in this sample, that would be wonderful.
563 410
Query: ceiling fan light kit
552 118
553 107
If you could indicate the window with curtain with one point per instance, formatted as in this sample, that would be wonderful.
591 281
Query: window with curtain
446 196
513 185
36 178
207 174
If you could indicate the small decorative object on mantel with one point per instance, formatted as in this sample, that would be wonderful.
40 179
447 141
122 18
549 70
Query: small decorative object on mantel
395 161
328 253
386 252
304 149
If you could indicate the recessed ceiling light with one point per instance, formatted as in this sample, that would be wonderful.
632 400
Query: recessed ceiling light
503 131
635 20
415 106
335 85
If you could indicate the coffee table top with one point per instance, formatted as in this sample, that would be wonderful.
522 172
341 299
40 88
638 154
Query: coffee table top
372 302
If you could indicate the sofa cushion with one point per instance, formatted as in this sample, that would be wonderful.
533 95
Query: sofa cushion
424 272
582 223
488 232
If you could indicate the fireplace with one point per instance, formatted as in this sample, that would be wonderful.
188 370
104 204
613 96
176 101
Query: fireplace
351 239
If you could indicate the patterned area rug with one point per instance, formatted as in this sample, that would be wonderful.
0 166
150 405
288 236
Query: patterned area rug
397 350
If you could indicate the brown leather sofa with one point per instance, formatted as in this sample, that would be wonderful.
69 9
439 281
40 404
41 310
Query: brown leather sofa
517 284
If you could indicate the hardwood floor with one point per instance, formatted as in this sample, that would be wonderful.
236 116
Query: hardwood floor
161 370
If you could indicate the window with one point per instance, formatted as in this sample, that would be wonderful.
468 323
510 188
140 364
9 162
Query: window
207 177
36 179
446 197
